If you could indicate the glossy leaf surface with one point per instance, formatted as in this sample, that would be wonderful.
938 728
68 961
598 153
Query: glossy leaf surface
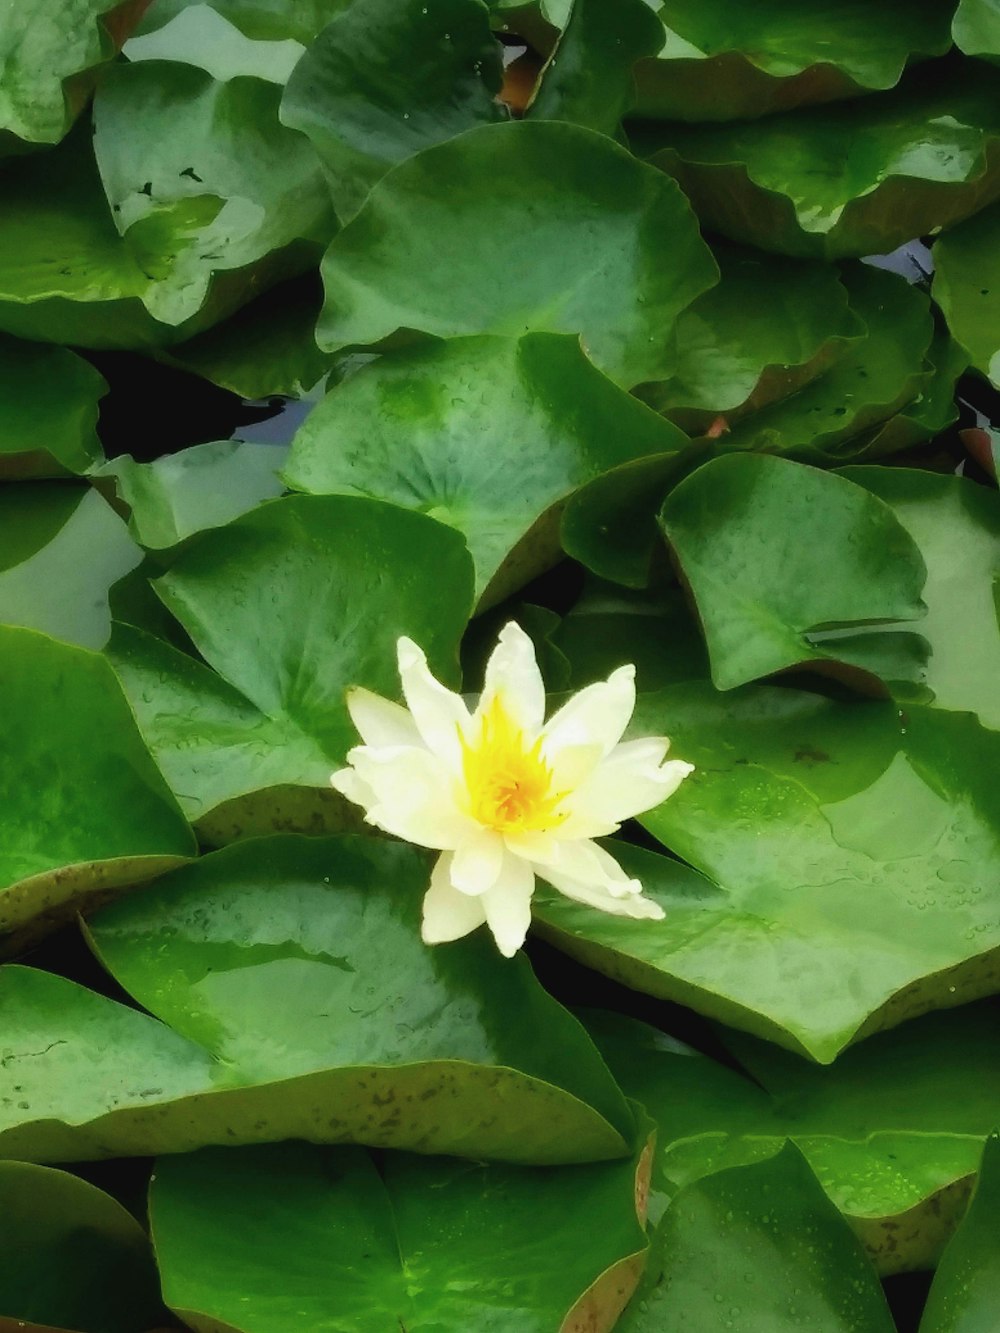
965 1295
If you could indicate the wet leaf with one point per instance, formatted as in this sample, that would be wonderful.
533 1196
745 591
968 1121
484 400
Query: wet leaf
965 1294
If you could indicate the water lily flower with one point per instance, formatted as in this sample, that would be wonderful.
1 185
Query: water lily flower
504 795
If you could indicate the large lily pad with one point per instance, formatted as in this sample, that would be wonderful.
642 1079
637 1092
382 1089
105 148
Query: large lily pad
203 487
791 183
893 1130
387 78
50 58
283 1236
740 524
48 411
71 1256
613 256
377 1038
956 524
85 808
61 549
717 1262
848 865
485 434
723 60
967 286
211 201
965 1294
291 604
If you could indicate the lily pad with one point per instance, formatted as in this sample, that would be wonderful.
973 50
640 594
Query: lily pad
956 524
615 256
71 1256
377 1039
50 60
489 435
48 410
85 808
976 27
795 183
211 201
289 605
203 487
387 78
845 858
893 1130
198 34
739 524
967 286
965 1294
260 20
272 1237
723 60
61 549
717 1262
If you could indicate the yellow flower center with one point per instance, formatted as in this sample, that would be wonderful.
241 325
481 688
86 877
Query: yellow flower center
508 782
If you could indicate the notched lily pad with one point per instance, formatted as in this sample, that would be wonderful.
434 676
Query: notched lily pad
488 435
792 184
377 1039
289 605
86 809
613 256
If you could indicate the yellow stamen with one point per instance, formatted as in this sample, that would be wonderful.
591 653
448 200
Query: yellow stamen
508 781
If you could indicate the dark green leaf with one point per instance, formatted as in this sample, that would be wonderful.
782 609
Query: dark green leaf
967 285
965 1295
48 411
611 254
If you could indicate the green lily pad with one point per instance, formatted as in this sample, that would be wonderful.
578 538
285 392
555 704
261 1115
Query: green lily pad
965 1294
796 184
845 856
50 60
211 201
203 487
976 27
198 34
86 810
723 60
48 411
289 1235
757 1248
71 1256
377 1039
289 605
260 20
893 1130
956 524
613 255
387 78
929 414
770 327
489 435
967 286
740 525
61 549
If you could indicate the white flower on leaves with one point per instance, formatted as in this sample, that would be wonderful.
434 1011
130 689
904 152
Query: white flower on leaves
503 794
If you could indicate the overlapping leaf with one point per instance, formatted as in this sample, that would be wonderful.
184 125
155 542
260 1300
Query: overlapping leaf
269 1238
203 35
965 1294
377 1038
614 254
849 861
967 286
792 184
85 809
289 605
893 1130
48 411
387 78
488 435
976 27
71 1256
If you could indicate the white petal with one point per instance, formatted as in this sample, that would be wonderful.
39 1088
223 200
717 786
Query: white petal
632 779
596 717
477 862
347 782
448 914
634 905
413 795
512 674
379 721
508 905
585 862
440 715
